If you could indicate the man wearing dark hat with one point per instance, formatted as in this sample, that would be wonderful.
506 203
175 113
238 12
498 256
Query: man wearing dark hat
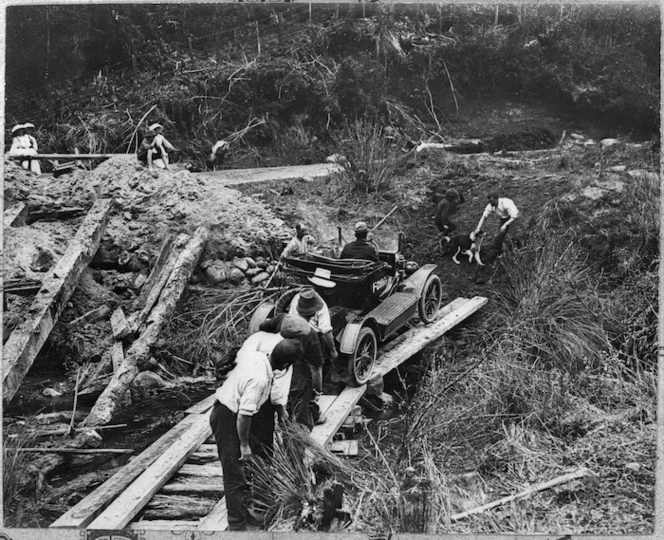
240 398
308 373
361 248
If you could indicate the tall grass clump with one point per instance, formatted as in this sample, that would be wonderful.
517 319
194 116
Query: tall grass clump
370 160
16 483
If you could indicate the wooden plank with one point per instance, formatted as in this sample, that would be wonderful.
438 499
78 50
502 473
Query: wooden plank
27 338
217 520
21 287
119 324
15 216
117 355
162 525
138 494
91 506
337 413
64 156
139 302
177 488
325 401
200 470
202 406
346 448
415 339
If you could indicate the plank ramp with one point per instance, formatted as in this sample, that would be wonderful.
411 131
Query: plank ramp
25 342
234 177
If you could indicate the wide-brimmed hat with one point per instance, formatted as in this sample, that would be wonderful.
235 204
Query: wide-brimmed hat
17 127
155 126
309 303
322 277
361 226
28 125
294 327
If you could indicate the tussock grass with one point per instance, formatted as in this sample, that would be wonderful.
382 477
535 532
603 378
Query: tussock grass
20 507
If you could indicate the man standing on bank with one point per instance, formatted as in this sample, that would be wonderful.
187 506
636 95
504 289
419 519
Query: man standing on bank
242 396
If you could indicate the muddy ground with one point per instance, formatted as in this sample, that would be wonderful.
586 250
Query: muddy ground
253 221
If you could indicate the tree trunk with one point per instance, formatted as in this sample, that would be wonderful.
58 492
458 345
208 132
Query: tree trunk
106 406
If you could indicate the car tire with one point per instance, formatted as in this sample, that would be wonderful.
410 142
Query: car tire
361 362
429 302
261 314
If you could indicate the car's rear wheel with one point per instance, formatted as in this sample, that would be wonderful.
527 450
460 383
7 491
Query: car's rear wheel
363 358
262 313
429 303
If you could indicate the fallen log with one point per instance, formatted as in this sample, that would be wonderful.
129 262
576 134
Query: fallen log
164 250
77 450
178 507
16 216
26 340
105 407
21 287
64 156
53 214
90 316
161 276
579 473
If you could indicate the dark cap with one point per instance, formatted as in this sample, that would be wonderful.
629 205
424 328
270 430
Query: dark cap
294 327
309 303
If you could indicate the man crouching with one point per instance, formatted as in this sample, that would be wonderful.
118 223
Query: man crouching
240 413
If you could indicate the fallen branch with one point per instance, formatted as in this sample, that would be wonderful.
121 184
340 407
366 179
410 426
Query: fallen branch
579 473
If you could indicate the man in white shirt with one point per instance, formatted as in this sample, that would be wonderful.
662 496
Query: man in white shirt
240 400
161 144
504 208
300 243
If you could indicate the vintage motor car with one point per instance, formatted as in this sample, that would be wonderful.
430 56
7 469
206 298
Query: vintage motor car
369 302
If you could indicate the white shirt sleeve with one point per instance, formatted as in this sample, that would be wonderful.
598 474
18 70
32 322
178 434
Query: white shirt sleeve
323 320
488 211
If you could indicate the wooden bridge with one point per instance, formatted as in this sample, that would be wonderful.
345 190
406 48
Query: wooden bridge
179 475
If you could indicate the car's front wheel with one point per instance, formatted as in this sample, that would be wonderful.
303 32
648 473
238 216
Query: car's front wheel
429 303
363 358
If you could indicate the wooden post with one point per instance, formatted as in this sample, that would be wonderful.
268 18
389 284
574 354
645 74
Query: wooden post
23 345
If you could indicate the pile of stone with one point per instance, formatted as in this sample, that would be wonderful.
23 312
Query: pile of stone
255 271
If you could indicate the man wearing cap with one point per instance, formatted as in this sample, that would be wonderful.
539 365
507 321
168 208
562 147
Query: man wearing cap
240 399
361 248
308 373
24 144
161 144
300 243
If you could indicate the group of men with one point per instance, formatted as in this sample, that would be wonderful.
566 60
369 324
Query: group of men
278 371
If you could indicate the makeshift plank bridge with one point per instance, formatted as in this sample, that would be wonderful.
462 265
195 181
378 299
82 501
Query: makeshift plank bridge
176 483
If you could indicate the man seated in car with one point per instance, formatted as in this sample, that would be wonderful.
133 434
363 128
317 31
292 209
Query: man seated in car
361 248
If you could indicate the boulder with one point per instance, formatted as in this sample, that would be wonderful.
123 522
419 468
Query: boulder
241 263
148 380
261 262
253 272
216 273
250 262
260 278
236 275
608 142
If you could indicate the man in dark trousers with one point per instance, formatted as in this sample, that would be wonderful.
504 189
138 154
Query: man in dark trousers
240 400
445 208
361 248
307 373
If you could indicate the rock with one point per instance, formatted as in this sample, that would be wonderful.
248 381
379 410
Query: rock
50 392
335 158
386 399
216 274
241 263
262 263
88 438
250 262
260 278
148 379
236 275
589 142
609 142
635 467
618 168
270 268
127 216
253 271
577 137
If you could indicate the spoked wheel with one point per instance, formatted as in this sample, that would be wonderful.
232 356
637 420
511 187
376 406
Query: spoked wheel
361 362
429 302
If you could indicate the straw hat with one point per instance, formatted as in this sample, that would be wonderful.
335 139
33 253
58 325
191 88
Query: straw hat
28 125
322 277
17 127
309 303
156 126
